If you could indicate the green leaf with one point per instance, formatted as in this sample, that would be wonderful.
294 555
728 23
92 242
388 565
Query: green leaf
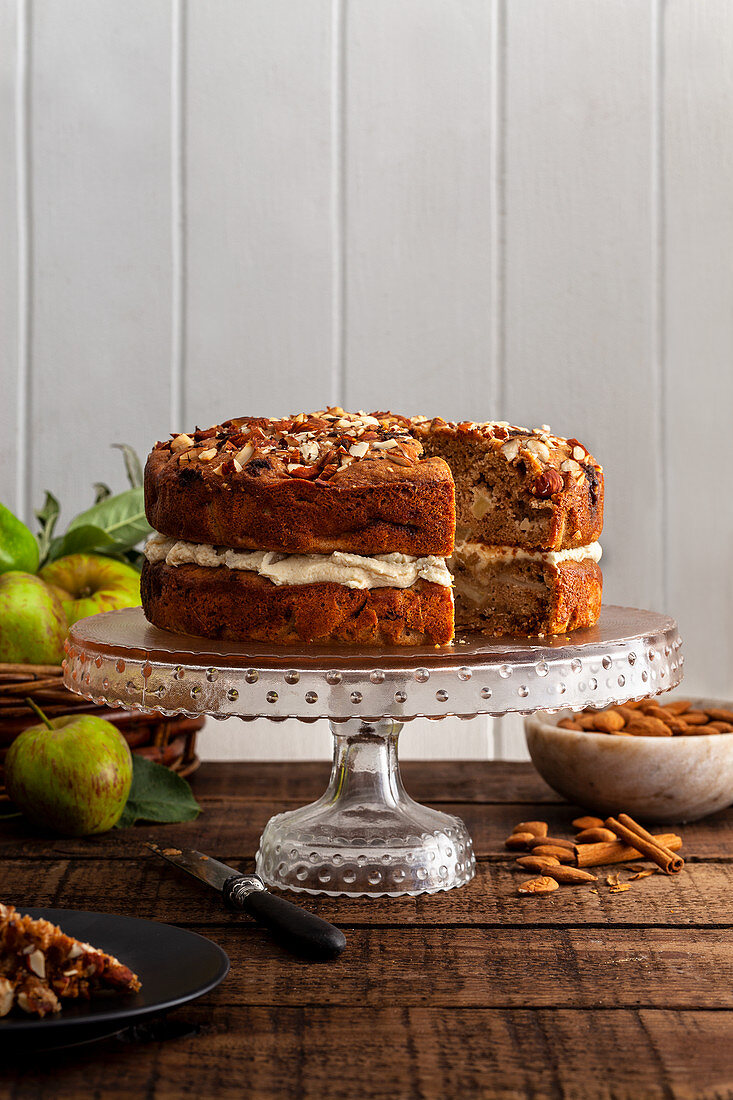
79 540
47 517
121 516
133 465
101 492
157 794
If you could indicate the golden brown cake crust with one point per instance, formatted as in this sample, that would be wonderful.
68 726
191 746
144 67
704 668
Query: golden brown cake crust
517 487
241 606
383 498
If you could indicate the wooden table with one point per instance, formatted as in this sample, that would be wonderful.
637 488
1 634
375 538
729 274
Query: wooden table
477 992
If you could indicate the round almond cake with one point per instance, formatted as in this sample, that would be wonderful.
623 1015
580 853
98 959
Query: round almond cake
357 528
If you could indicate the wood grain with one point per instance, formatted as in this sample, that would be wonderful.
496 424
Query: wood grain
146 888
475 992
420 1053
562 968
232 831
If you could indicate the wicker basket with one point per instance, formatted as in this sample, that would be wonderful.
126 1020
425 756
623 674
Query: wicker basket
167 741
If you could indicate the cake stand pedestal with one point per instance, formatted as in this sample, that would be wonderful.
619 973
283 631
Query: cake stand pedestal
365 835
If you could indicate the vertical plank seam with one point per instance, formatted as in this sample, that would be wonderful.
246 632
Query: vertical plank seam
24 230
497 382
497 395
179 24
659 284
338 202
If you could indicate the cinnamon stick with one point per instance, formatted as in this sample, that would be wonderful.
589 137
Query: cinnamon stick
635 834
615 851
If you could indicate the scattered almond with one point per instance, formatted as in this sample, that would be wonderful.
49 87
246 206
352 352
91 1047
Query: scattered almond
541 885
536 828
563 855
596 835
556 841
569 875
588 823
519 841
537 863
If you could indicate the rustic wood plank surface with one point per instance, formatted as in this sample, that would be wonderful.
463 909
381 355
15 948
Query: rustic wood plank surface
476 992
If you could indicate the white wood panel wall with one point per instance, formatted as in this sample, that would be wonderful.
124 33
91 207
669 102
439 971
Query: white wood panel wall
476 208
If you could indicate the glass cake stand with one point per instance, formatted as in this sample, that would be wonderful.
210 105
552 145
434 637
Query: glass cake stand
365 835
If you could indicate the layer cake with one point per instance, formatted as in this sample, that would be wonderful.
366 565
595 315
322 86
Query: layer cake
335 527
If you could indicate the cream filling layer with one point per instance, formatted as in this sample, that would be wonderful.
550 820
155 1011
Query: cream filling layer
351 570
505 554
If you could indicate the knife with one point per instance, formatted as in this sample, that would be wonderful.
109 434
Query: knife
301 932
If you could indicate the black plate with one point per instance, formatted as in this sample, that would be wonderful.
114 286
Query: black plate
173 965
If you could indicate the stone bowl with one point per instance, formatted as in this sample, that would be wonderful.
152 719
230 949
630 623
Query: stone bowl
659 779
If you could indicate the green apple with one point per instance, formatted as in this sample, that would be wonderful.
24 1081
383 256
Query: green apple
89 583
71 774
18 547
32 621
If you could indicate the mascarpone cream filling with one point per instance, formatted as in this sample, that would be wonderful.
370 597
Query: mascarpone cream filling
503 554
351 570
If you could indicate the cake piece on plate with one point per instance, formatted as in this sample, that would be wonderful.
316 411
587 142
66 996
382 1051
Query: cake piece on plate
40 966
529 511
319 527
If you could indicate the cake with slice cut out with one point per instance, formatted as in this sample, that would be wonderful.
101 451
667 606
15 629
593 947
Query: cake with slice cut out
353 528
40 966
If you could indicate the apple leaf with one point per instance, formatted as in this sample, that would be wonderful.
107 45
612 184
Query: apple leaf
79 540
157 794
132 464
122 517
47 517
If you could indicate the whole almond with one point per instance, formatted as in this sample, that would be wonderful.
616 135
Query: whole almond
677 706
569 875
644 726
569 724
519 841
537 863
560 854
542 885
536 828
588 823
557 841
596 835
627 713
718 727
609 721
695 717
719 714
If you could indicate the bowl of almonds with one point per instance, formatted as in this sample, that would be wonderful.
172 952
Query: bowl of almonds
661 762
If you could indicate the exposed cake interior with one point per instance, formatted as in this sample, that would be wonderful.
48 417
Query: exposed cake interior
507 590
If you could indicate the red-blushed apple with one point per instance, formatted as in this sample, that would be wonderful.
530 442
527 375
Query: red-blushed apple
71 774
32 621
89 583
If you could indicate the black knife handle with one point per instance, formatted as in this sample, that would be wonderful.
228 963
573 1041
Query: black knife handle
299 931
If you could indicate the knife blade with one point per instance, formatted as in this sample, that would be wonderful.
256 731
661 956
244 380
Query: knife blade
301 932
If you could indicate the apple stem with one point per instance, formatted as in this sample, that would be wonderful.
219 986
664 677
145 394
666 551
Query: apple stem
34 706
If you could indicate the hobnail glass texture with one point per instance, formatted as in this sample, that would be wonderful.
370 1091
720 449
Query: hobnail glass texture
366 835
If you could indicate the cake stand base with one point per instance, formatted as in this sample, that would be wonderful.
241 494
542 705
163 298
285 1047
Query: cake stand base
365 835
